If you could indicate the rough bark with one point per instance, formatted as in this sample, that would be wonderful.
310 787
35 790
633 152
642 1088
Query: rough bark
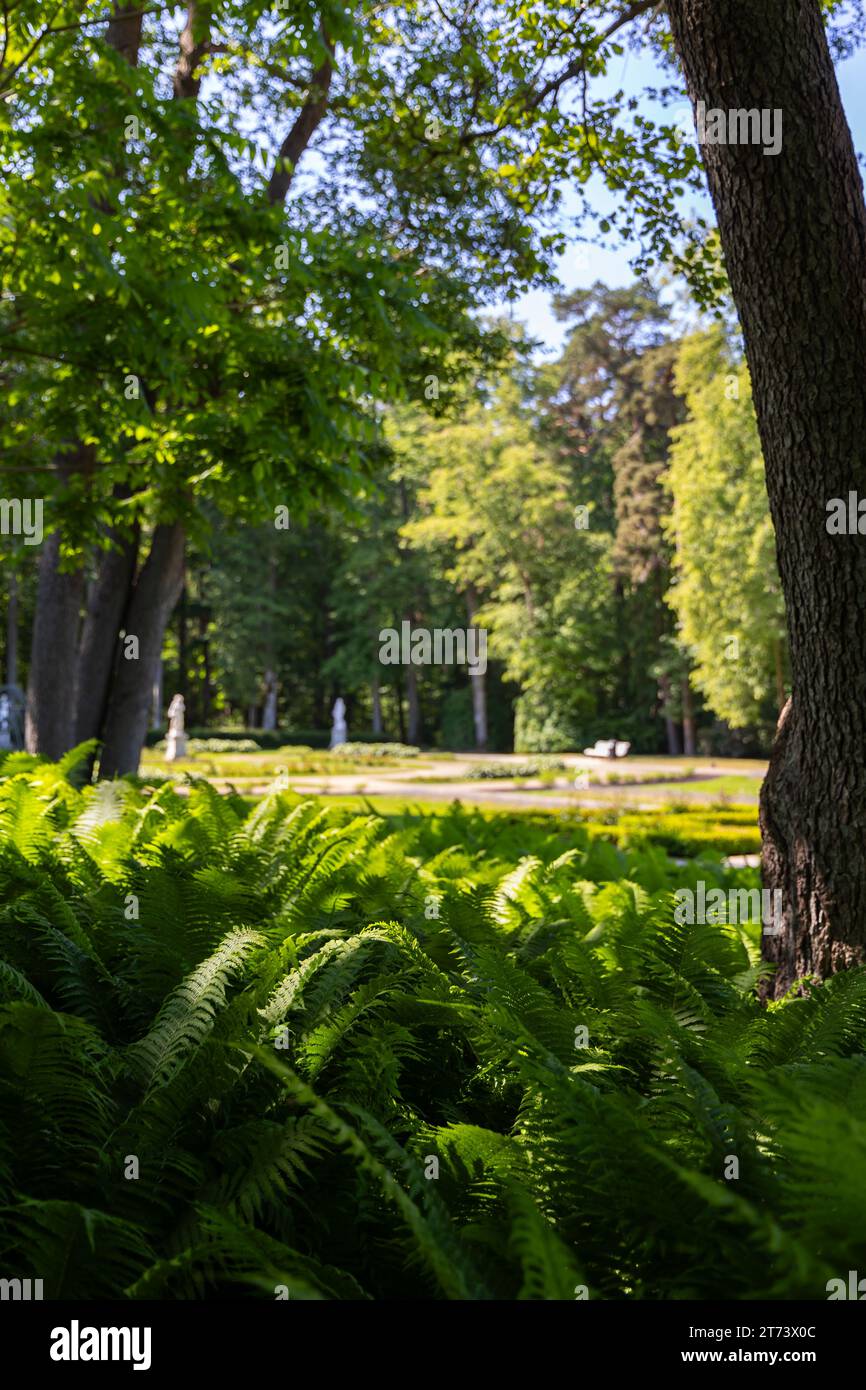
106 605
781 694
793 231
50 720
155 593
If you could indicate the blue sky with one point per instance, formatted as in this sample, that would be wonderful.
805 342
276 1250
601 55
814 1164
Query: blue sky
583 263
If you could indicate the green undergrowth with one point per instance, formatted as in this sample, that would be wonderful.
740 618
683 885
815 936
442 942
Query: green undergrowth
294 1050
682 831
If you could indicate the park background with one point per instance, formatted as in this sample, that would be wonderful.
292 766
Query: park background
319 323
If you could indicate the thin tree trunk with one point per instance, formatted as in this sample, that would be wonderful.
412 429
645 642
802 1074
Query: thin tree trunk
793 232
689 741
156 698
156 591
269 708
376 695
401 722
413 731
106 605
207 684
182 656
671 730
477 682
12 631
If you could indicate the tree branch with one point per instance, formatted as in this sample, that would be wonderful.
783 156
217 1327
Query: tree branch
192 50
124 32
532 99
306 124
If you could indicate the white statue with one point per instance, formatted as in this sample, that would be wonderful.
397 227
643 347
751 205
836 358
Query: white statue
175 744
269 712
339 731
5 722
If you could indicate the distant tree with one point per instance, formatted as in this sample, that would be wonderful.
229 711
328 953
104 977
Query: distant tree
726 594
611 404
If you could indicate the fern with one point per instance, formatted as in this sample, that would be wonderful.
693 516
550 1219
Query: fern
332 1091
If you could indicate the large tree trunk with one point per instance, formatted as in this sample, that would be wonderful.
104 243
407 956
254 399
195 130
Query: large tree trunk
106 605
793 231
154 596
50 720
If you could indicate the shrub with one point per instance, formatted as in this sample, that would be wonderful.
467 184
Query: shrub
217 745
368 752
533 768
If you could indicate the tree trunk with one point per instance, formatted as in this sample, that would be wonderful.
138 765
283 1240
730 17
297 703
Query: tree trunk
12 631
182 656
156 698
689 742
269 708
671 731
413 732
781 695
156 591
793 231
477 682
106 605
50 721
376 694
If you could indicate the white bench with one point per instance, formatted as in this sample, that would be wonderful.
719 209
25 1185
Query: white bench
607 748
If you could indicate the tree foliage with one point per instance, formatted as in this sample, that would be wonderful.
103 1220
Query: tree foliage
726 594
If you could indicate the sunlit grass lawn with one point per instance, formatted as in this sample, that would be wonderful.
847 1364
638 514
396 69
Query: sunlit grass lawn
742 787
